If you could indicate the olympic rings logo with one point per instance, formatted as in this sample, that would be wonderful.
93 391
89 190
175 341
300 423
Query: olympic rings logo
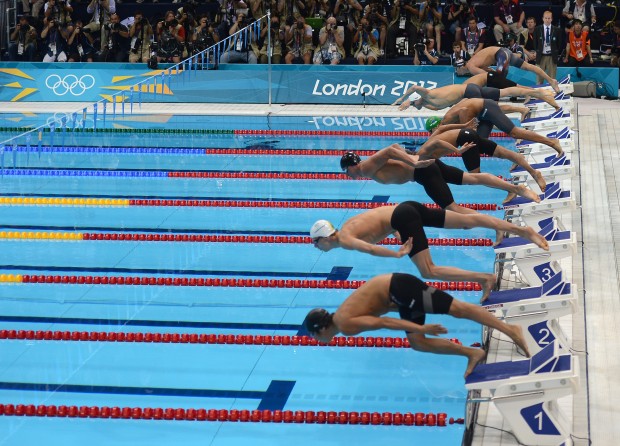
69 84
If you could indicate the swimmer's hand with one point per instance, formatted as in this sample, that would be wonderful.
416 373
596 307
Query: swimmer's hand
472 124
434 329
405 249
422 163
405 105
465 147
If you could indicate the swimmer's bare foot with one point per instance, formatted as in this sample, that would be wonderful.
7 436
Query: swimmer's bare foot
511 196
499 236
540 180
548 97
516 333
526 113
555 85
513 167
527 193
474 357
487 286
555 143
534 237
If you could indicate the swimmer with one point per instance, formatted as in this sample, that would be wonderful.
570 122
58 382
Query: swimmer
363 311
489 114
442 97
460 134
363 231
393 165
503 59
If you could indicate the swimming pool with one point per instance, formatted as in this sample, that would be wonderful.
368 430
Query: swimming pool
84 215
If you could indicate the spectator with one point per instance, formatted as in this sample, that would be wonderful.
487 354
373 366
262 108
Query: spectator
140 34
424 53
319 8
229 11
23 41
59 10
365 42
579 9
376 12
204 36
512 43
526 40
348 14
459 58
508 16
276 34
430 16
474 37
117 46
547 40
614 46
79 44
54 43
405 17
101 11
458 17
298 38
240 46
256 9
578 53
170 38
331 40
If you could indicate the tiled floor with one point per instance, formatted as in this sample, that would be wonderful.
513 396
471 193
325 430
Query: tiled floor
594 270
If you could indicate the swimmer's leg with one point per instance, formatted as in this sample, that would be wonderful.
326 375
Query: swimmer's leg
537 93
518 159
521 133
536 69
429 270
439 346
489 180
476 313
511 108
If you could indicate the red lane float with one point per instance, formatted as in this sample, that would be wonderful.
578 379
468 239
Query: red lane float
341 133
203 338
234 415
297 152
225 282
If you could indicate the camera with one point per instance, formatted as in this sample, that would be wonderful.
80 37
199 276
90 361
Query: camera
25 27
369 28
432 4
300 25
420 46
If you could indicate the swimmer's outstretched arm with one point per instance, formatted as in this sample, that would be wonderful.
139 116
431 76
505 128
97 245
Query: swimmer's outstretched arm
370 166
359 324
413 89
473 124
436 148
357 244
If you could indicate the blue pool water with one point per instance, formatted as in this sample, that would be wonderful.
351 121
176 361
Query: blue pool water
197 375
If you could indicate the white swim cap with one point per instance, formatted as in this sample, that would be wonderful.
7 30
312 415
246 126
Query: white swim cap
322 228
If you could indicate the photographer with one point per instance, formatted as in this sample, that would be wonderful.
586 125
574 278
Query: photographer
59 10
101 11
430 16
229 10
347 13
185 17
79 44
330 49
240 47
140 34
170 38
55 43
276 33
425 53
365 42
458 16
319 8
512 43
117 45
376 14
405 16
204 35
23 41
298 38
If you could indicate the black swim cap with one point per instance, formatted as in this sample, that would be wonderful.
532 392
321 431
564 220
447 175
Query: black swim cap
349 159
317 319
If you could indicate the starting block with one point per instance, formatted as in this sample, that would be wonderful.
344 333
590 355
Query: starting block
526 392
563 100
555 201
539 150
554 121
537 310
565 84
553 169
535 264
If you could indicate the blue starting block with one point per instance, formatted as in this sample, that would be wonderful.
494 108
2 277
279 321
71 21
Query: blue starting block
526 392
554 121
554 201
534 263
565 84
537 152
536 310
562 99
553 169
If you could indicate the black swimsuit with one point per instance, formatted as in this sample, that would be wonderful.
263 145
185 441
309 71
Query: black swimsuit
415 299
471 158
435 179
491 115
409 219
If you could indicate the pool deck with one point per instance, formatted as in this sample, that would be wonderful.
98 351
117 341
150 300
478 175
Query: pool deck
594 270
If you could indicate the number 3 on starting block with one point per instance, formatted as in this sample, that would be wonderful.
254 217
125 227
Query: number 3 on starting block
544 271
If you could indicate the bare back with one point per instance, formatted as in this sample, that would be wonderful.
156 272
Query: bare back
391 172
464 111
449 136
371 226
439 98
371 299
483 58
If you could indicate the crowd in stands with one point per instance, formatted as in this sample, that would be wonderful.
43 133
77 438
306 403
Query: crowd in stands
302 31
